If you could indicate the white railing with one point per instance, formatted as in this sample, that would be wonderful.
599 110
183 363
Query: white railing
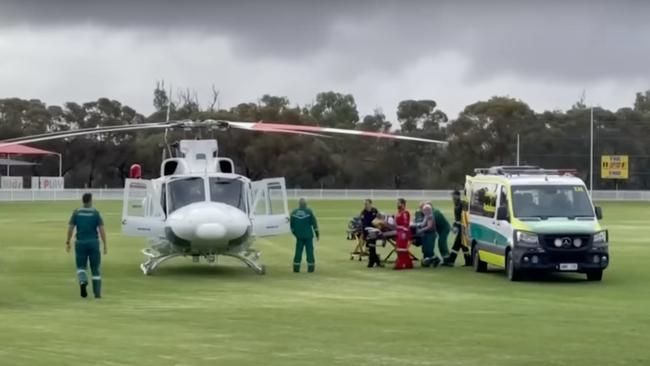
8 195
58 195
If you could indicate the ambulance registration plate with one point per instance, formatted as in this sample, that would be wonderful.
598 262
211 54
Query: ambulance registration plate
568 266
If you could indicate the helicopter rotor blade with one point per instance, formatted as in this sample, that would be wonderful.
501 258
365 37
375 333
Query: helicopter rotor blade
263 126
81 132
315 131
90 130
249 126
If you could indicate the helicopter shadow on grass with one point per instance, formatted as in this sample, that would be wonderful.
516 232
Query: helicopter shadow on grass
204 270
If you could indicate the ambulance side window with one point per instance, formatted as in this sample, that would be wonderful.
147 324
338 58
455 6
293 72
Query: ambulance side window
475 201
483 200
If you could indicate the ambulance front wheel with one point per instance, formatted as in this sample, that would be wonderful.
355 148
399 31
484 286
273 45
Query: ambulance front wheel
479 265
512 272
595 275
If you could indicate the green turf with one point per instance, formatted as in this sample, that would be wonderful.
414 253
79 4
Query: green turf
345 314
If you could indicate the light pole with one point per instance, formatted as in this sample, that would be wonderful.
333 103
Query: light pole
518 149
591 154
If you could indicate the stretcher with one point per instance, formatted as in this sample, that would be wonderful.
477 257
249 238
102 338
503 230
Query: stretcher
355 233
386 237
382 233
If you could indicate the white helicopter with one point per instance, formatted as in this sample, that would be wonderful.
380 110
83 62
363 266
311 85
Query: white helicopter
199 206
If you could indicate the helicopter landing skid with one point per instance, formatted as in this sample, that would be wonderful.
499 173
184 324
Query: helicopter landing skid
155 259
251 259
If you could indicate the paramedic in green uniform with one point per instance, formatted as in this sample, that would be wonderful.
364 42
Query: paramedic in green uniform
443 229
304 227
88 223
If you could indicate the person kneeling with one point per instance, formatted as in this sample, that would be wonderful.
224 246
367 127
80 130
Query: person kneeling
427 231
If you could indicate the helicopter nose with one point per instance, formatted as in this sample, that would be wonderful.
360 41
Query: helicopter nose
209 221
213 231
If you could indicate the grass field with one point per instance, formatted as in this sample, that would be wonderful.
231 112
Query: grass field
345 314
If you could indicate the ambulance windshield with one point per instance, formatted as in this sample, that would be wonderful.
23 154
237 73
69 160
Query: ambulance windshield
551 201
229 191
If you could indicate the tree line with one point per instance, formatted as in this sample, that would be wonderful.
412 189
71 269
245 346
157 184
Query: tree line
483 134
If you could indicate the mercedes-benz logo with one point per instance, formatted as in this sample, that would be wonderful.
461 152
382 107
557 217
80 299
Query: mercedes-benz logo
566 242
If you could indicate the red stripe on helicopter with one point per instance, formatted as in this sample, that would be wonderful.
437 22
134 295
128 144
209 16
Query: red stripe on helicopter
288 127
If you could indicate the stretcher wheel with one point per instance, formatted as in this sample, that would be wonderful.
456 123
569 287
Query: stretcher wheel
351 257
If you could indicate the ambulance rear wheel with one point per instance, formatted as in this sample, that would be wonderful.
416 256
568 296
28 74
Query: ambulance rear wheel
479 265
595 275
513 273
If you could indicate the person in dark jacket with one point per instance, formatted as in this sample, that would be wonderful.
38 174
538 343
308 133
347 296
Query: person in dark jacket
368 215
458 231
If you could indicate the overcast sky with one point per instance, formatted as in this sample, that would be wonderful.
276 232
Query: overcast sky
543 52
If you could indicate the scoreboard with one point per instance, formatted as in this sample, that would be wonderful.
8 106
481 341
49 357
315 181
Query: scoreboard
614 167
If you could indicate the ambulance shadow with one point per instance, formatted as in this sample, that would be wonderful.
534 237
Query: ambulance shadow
544 277
556 277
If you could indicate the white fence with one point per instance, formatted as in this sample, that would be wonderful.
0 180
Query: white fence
320 194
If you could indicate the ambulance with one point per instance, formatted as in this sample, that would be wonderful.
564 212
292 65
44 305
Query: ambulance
528 219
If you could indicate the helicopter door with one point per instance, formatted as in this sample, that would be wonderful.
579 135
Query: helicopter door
142 214
270 212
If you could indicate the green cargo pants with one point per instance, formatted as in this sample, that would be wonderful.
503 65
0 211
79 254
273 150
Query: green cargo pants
308 246
442 244
85 252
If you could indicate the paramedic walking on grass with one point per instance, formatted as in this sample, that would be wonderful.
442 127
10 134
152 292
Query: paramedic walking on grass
88 224
304 227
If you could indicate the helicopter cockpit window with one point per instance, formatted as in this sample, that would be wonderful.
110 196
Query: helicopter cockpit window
183 192
228 191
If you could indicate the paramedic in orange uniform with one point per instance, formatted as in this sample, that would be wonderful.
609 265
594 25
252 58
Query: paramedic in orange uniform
402 223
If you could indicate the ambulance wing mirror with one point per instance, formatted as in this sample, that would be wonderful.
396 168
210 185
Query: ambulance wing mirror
502 214
599 212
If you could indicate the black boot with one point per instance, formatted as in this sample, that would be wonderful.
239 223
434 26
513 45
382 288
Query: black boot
82 289
372 255
435 262
468 260
377 260
451 259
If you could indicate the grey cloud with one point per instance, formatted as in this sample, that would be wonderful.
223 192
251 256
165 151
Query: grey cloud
556 40
273 28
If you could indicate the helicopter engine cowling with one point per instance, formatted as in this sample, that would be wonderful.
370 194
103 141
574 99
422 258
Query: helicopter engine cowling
209 227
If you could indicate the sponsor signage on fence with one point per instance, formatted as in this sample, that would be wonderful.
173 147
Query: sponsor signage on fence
614 167
11 182
47 183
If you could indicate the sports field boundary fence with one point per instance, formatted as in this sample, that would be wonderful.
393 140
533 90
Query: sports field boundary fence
109 194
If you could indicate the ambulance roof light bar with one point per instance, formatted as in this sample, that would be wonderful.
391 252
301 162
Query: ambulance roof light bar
523 170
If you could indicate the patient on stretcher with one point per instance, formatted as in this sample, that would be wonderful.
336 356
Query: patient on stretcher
383 228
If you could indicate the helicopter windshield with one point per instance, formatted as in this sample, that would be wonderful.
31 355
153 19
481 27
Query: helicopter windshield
229 191
185 191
